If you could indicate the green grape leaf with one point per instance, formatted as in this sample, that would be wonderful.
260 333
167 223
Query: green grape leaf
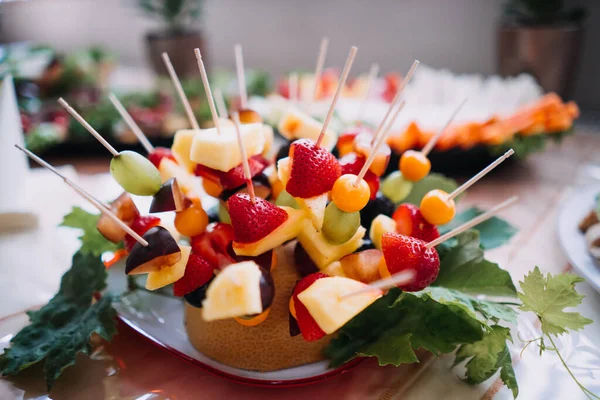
430 182
548 297
62 328
486 357
463 268
492 233
92 241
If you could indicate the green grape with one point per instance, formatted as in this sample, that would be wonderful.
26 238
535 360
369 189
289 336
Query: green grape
135 173
339 226
224 214
286 199
395 187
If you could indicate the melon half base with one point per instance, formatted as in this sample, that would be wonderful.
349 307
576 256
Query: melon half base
266 347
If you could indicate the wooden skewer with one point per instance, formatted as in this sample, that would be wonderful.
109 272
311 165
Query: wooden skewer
186 104
131 123
475 221
480 175
370 80
87 126
396 98
399 279
209 96
429 146
340 87
220 100
241 77
320 64
293 84
245 165
95 202
379 141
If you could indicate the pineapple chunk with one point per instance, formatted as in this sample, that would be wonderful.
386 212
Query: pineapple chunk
189 184
380 225
297 125
234 292
323 300
221 151
314 208
269 138
321 251
287 231
169 273
284 168
182 144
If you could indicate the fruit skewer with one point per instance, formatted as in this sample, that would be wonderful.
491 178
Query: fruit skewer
131 123
220 100
246 115
86 195
402 253
184 100
245 166
415 165
438 207
209 96
134 172
341 84
319 67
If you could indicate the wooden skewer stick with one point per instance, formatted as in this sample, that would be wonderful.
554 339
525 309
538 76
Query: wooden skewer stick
480 175
340 87
399 279
370 80
429 146
220 100
396 98
241 77
475 221
245 165
186 104
379 141
131 123
294 85
95 202
209 96
87 126
320 64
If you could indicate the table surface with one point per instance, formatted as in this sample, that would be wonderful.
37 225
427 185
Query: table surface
132 368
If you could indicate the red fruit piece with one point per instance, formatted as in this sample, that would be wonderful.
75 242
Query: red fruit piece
158 154
314 170
408 253
140 225
233 178
309 328
410 222
253 221
352 163
197 272
213 243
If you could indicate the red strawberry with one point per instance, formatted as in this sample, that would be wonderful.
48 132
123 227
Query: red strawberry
233 178
314 170
197 272
311 331
158 154
407 253
410 222
213 243
140 225
253 221
352 163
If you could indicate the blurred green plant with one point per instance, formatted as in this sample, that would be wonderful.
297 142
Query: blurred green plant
175 14
542 12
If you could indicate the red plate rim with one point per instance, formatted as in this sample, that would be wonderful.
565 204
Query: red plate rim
243 380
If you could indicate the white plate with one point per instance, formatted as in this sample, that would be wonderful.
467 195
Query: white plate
576 206
159 318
